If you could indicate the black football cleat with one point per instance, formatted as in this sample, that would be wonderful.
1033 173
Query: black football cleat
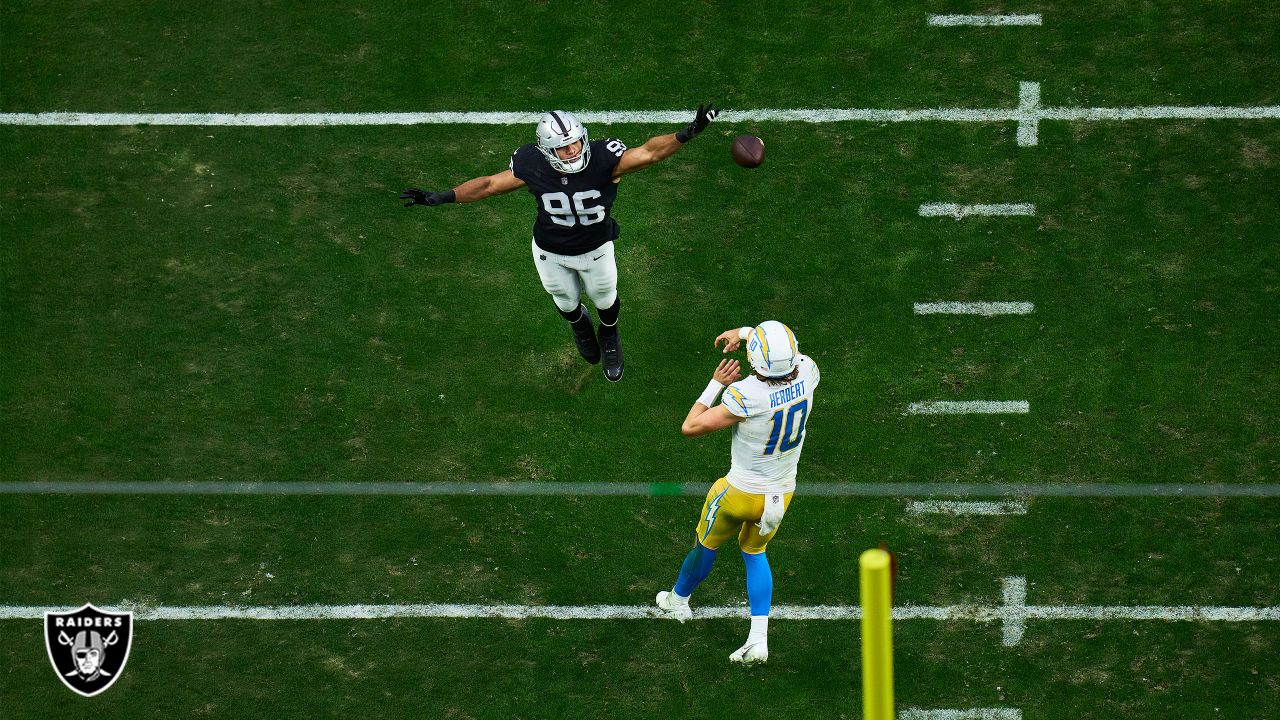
584 336
611 344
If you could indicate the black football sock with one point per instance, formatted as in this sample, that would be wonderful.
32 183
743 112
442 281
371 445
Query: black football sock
609 315
580 319
573 315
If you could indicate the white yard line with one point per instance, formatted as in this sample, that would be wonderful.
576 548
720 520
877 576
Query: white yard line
1012 613
982 20
958 507
626 117
1152 612
515 612
1163 112
646 117
974 308
940 209
970 613
1027 115
970 714
969 407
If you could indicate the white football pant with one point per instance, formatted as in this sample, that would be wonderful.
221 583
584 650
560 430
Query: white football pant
567 276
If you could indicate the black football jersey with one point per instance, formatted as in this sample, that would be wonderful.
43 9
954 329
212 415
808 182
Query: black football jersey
573 208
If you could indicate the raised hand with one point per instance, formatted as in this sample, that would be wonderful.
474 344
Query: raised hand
727 372
730 338
706 113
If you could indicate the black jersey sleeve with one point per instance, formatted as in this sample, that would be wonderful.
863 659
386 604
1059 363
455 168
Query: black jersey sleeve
523 161
607 152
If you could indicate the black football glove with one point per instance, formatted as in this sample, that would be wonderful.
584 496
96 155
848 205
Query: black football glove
706 113
420 197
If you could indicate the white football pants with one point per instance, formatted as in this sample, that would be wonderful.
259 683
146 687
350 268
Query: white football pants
567 276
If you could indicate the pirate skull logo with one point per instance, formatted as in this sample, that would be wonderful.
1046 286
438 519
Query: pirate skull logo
88 647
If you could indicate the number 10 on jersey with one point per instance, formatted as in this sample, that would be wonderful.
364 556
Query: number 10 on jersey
792 431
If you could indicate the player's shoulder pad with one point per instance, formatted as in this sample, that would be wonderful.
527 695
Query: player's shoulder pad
523 158
735 400
609 148
810 368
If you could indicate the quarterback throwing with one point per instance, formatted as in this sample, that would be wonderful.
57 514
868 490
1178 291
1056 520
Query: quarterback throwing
767 412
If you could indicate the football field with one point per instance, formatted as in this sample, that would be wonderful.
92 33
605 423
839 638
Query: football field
341 458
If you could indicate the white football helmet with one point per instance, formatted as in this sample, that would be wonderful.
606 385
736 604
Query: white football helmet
772 349
557 129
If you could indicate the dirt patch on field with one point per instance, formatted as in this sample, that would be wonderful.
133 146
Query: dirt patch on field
1254 154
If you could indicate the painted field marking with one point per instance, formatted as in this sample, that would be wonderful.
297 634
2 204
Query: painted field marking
940 209
650 117
982 20
1012 613
631 489
974 308
969 407
1014 621
954 507
1027 115
970 714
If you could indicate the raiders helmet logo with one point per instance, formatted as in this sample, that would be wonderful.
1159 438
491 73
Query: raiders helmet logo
88 647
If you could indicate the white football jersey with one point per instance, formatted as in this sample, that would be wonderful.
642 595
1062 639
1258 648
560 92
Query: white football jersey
767 444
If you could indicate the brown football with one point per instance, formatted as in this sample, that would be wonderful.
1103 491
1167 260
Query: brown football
748 151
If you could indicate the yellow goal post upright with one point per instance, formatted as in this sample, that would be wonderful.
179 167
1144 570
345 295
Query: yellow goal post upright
875 571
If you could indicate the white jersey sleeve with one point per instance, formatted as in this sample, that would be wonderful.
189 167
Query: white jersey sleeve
767 443
735 401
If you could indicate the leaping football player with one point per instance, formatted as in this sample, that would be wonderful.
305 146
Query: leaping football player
575 181
767 412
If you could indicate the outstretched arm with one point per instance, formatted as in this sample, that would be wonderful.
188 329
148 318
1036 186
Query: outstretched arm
488 186
469 191
703 418
661 147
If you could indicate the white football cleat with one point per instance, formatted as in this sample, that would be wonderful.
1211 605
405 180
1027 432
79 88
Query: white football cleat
674 606
751 653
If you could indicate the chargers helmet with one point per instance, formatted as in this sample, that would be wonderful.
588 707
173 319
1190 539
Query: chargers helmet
772 349
557 129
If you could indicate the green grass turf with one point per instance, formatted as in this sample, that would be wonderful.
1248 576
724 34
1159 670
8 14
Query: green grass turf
550 669
397 550
253 304
243 56
582 551
305 326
